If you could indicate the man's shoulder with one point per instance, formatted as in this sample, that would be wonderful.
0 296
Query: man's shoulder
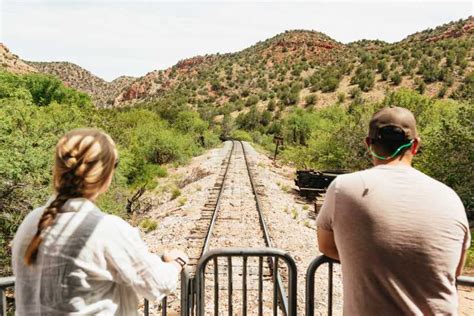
351 179
381 174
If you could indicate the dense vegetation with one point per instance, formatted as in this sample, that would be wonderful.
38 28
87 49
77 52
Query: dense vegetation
35 110
332 137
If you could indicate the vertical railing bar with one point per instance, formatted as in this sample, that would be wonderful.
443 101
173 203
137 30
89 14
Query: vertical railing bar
330 265
184 293
3 302
244 286
146 307
200 292
275 287
230 286
260 286
164 306
309 297
216 287
292 287
193 289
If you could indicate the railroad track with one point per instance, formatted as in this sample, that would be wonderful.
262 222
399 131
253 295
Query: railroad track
232 217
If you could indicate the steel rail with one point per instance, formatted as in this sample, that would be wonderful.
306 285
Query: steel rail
207 239
266 236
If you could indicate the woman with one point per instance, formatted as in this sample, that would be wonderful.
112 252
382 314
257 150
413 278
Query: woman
69 258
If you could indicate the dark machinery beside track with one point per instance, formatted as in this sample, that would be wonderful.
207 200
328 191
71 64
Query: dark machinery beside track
313 184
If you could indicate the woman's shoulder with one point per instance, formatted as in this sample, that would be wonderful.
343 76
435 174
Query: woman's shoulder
117 224
30 222
25 232
119 233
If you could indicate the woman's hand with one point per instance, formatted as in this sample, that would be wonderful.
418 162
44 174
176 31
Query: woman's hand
172 257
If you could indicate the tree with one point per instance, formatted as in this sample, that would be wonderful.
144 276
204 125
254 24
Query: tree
364 78
385 74
271 105
227 127
420 85
190 122
381 66
252 100
299 125
266 118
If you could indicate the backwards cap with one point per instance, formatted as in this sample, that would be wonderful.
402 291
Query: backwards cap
392 118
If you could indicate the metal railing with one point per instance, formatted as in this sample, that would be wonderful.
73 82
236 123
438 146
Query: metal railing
193 298
5 283
319 261
272 254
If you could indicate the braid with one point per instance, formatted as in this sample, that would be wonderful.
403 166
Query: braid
48 218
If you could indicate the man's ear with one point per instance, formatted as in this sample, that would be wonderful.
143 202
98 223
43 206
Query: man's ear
416 145
367 142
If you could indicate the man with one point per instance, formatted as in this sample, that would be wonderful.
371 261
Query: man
400 235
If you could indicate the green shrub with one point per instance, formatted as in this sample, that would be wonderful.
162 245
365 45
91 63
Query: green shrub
420 86
365 78
466 90
148 224
252 100
241 135
396 78
182 201
355 92
175 192
310 99
341 97
385 75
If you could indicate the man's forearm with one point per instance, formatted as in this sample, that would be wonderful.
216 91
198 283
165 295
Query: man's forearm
331 253
327 244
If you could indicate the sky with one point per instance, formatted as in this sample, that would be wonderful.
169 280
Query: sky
111 38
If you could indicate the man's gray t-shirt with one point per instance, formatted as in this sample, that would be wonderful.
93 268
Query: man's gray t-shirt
400 235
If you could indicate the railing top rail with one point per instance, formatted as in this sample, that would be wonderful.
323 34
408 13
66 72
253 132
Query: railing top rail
7 282
465 280
246 252
461 280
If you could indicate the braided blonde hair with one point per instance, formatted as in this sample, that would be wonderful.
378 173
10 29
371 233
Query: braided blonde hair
84 163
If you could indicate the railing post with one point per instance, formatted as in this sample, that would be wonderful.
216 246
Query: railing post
146 308
164 306
330 287
185 293
310 292
3 302
4 284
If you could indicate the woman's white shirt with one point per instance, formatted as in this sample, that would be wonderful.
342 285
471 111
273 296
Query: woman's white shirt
89 263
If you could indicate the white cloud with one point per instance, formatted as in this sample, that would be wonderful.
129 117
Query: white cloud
112 38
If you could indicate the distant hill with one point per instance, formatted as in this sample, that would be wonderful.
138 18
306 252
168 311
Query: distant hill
309 68
12 63
224 77
296 68
101 91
